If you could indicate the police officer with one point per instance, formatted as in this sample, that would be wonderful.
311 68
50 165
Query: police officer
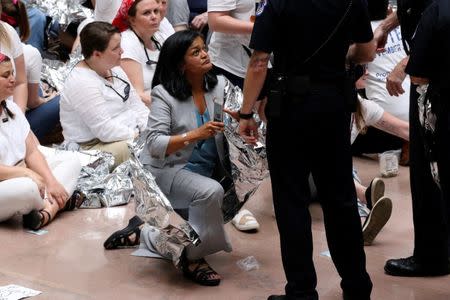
431 235
309 131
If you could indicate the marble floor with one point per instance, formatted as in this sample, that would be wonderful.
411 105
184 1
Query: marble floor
69 262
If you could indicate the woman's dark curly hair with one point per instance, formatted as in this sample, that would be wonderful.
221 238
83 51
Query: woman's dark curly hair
169 68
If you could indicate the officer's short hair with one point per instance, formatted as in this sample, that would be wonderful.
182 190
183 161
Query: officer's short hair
377 9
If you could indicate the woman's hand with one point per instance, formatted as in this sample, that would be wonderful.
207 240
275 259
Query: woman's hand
56 192
208 130
38 180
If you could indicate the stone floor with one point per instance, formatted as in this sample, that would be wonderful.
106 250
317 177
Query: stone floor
70 263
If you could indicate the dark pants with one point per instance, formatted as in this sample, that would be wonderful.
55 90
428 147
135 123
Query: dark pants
430 206
296 147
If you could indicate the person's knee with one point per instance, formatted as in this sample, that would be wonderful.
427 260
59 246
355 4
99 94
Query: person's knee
214 191
121 152
20 195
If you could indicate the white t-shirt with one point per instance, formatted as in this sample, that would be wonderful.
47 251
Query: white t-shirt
15 50
106 10
371 113
33 63
380 68
13 134
178 12
226 49
90 109
134 49
165 30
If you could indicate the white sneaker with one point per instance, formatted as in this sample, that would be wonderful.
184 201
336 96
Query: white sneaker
245 221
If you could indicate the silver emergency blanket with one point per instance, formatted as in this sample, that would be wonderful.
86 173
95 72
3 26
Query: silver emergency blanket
63 11
153 207
99 187
428 121
55 72
102 189
248 162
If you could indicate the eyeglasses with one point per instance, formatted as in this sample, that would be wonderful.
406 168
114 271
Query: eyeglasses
126 89
149 61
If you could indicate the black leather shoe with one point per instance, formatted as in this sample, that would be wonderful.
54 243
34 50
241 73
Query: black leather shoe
409 267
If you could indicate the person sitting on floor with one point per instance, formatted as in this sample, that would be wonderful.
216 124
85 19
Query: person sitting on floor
28 185
185 150
141 39
100 109
42 114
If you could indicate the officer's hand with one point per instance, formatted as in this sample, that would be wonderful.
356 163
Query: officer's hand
248 130
395 79
233 114
380 37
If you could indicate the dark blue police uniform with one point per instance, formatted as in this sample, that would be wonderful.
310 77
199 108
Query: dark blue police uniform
309 132
430 59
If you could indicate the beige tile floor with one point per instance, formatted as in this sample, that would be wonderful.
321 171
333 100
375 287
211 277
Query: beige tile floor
69 262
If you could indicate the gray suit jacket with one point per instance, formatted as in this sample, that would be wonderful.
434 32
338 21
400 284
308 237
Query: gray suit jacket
169 116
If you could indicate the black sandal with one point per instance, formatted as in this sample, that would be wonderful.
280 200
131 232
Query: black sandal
201 273
121 238
36 219
74 201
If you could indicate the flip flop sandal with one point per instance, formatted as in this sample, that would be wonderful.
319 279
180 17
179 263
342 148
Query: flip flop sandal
201 273
121 238
35 219
245 221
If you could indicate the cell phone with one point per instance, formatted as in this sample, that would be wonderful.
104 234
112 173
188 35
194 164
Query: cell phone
218 111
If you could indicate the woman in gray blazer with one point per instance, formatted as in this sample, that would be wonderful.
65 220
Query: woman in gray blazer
185 146
185 151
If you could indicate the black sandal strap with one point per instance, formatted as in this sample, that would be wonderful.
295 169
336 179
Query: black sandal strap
49 217
121 238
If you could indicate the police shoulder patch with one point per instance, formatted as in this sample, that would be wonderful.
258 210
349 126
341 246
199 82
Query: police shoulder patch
261 5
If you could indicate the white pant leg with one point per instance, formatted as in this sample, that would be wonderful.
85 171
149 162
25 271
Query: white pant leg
65 166
18 196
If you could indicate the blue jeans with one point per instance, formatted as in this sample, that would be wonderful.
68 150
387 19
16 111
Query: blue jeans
38 22
44 118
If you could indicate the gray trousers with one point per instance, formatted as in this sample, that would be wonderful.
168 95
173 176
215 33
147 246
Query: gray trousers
202 197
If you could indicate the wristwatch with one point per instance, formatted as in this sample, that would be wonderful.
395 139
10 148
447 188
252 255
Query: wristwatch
245 116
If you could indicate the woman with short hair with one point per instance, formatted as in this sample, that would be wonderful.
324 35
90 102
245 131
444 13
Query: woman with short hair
100 109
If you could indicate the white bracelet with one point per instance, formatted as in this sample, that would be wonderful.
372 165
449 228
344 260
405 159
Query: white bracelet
184 136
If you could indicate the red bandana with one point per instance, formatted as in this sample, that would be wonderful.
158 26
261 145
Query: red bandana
121 19
2 57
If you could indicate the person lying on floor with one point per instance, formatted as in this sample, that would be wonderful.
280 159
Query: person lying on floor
100 109
28 186
185 151
379 207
